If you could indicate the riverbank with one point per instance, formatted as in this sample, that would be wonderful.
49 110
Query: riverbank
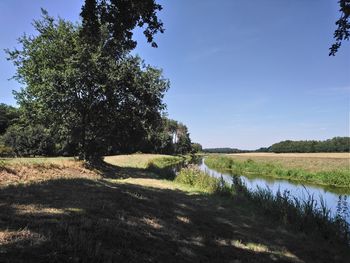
58 210
316 170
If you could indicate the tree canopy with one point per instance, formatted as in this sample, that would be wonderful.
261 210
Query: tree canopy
82 93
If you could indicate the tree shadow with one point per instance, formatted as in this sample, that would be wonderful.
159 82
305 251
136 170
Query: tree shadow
82 220
111 171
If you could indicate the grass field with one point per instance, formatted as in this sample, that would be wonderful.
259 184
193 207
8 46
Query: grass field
57 210
322 168
138 160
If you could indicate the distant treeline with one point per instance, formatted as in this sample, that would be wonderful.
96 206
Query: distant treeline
336 144
223 150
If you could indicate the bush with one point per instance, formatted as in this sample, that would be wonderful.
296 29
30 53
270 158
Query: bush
6 151
29 141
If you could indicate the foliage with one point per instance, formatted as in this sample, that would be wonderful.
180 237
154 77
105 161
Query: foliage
337 144
8 116
196 147
172 138
6 151
183 144
29 141
193 177
343 31
223 150
337 177
76 87
81 83
120 18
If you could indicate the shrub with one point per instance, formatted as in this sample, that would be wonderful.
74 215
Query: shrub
6 151
29 141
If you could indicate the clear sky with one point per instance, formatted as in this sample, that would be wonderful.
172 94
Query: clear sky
243 73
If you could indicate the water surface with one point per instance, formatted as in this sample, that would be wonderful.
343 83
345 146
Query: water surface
330 195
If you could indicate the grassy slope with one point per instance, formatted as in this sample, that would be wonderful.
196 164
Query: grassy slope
327 169
66 213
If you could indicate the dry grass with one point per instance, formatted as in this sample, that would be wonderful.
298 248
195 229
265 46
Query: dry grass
134 160
77 215
21 171
312 162
36 160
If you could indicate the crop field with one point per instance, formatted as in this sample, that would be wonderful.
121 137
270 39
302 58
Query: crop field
312 162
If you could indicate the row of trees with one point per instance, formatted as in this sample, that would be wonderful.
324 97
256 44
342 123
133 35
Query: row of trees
84 93
16 139
337 144
223 150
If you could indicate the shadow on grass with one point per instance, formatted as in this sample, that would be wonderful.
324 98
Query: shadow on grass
152 171
82 220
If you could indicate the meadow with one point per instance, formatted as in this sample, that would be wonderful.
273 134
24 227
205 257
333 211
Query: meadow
57 209
331 169
60 210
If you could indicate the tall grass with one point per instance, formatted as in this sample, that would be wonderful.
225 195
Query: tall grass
306 216
165 161
337 177
193 177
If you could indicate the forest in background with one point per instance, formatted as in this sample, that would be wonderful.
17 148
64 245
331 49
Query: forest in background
336 144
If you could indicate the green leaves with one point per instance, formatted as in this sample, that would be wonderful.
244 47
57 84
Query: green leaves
82 92
343 27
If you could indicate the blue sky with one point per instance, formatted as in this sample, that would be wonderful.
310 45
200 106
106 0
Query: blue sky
243 73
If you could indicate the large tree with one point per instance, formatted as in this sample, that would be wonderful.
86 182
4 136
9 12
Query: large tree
80 82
